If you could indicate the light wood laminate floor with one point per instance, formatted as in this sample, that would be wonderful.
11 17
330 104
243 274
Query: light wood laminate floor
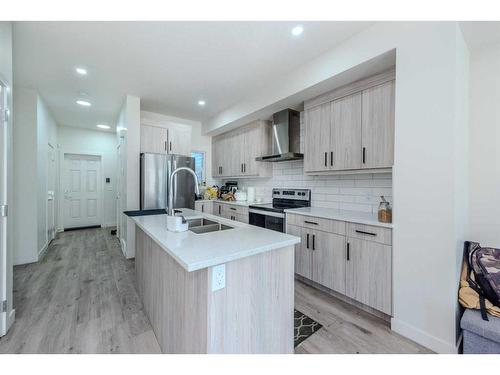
81 298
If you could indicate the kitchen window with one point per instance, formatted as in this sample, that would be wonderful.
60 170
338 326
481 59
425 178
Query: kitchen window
199 165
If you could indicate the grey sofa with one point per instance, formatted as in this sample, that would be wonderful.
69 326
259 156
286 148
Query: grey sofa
480 336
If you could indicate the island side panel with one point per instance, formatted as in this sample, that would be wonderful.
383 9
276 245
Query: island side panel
254 312
174 300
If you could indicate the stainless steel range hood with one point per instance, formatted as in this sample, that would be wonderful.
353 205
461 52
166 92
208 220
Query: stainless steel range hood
286 137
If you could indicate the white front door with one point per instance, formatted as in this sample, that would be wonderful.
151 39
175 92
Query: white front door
3 205
82 191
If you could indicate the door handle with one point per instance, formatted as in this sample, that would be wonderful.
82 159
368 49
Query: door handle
241 167
326 157
331 158
314 242
364 155
307 245
348 251
244 167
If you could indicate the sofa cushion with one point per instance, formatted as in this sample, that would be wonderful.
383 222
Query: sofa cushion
472 321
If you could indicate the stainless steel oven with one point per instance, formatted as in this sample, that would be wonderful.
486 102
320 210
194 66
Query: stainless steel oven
272 215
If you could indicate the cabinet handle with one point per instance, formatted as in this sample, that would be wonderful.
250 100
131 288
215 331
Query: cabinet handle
368 233
307 245
244 167
326 157
170 144
219 209
331 158
314 240
232 208
241 167
202 208
310 222
364 155
165 145
348 251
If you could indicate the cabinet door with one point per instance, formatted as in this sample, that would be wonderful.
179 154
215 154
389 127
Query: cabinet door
153 139
252 138
378 126
303 255
233 158
179 141
317 138
218 209
345 142
329 258
368 274
218 148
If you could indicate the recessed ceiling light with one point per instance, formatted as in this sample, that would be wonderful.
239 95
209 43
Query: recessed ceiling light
102 126
81 71
297 30
201 103
83 103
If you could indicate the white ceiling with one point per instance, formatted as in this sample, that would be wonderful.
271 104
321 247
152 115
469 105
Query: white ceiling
169 65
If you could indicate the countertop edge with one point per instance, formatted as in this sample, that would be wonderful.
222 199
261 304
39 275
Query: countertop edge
332 216
220 260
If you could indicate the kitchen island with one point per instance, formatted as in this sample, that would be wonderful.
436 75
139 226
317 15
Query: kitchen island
220 287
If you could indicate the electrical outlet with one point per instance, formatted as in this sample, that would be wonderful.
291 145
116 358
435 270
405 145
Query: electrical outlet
218 277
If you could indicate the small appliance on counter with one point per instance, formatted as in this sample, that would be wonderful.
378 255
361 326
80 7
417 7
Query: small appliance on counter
228 188
384 211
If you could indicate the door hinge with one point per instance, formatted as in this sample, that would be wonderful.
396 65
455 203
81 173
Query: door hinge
4 210
4 306
4 115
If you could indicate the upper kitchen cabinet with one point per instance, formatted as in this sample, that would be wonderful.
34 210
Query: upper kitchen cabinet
161 136
154 139
351 128
378 126
234 152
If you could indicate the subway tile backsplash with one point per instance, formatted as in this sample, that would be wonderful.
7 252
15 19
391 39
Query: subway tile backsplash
356 192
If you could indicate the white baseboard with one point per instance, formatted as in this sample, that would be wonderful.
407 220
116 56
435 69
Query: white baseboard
43 251
423 338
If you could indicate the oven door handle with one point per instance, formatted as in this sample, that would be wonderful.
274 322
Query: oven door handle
267 213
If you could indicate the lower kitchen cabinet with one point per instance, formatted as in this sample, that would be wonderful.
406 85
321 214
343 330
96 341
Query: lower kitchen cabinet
204 206
369 270
350 259
329 254
303 256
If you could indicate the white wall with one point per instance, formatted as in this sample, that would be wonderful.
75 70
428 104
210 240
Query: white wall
128 134
92 142
426 177
25 176
6 72
484 161
34 129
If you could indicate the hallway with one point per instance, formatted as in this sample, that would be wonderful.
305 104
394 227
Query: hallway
82 290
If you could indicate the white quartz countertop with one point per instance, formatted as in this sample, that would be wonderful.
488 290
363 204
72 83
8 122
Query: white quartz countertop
197 251
342 215
236 203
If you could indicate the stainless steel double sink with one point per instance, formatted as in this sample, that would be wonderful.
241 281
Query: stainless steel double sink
202 225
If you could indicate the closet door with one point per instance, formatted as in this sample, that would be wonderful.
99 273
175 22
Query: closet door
345 143
378 126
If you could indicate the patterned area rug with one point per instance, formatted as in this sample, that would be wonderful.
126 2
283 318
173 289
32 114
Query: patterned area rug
303 327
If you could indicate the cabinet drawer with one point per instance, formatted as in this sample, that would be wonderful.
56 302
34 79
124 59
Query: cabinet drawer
316 223
205 207
370 233
242 218
235 209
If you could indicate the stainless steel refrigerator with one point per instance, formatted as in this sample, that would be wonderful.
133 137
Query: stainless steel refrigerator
155 177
